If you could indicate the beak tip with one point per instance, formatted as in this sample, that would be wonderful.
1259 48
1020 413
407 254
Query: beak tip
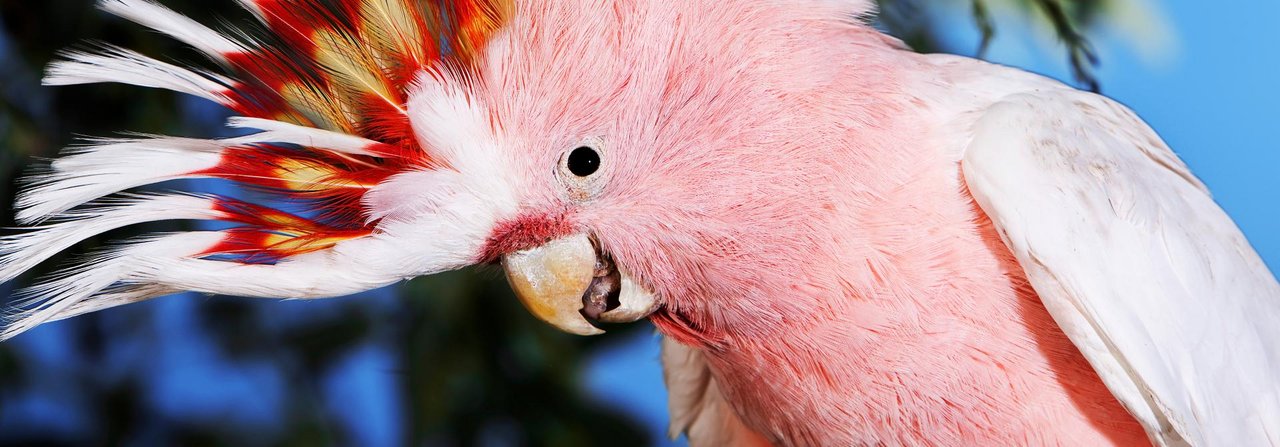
549 281
555 281
587 330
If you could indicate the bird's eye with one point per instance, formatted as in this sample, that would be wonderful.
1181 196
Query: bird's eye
583 161
582 170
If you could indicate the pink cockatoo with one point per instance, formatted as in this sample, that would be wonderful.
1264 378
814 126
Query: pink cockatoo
843 242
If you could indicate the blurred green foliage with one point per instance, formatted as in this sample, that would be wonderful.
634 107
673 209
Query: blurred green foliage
469 357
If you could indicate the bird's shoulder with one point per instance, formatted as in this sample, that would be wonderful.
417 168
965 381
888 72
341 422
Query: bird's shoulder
1150 279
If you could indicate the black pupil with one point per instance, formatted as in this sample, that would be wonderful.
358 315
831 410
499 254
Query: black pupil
584 161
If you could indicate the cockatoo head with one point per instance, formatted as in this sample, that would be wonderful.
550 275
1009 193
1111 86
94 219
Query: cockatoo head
634 157
616 158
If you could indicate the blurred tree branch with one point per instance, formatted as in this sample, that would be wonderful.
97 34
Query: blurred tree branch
1067 20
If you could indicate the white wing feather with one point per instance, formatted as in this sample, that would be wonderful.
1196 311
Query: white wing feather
698 408
1142 270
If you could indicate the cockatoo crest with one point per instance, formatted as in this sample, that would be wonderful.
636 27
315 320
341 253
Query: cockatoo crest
327 84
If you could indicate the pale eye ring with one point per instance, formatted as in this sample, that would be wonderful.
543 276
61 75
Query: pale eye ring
584 170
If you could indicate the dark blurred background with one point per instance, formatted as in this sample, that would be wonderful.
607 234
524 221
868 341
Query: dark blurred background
453 359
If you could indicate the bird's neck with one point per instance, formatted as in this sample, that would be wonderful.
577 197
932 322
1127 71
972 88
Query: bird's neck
939 340
886 310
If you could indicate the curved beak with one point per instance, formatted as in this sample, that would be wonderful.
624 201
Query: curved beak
572 285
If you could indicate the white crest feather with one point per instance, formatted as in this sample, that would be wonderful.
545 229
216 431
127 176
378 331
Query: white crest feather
252 7
21 252
115 64
178 26
68 292
282 132
111 166
167 264
116 296
114 165
348 268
